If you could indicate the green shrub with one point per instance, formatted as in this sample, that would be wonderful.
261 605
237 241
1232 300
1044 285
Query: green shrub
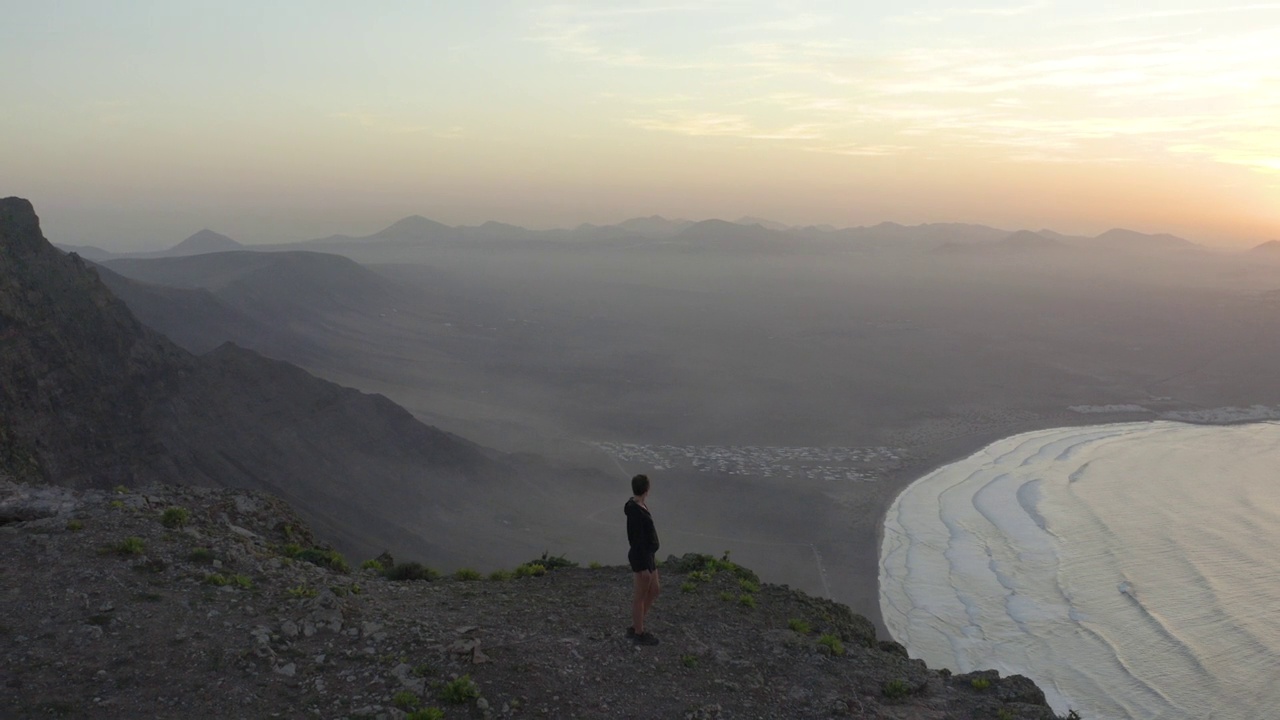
404 572
595 565
129 546
701 576
331 559
466 574
1004 714
748 586
344 590
405 700
980 683
727 596
431 713
747 600
833 642
175 517
302 591
291 550
241 581
689 661
216 579
896 688
117 505
121 490
799 626
75 525
553 562
459 691
530 570
201 555
688 587
372 565
500 575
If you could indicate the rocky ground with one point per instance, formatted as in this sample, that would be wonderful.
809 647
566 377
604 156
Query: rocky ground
174 602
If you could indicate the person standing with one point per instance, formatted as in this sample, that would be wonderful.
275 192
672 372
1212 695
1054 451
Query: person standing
643 555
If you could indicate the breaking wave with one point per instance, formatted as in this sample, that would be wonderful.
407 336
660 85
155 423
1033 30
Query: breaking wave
1132 570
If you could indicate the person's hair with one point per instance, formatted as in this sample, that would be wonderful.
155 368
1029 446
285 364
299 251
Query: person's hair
639 485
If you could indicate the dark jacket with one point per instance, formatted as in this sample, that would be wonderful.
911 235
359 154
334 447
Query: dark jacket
641 533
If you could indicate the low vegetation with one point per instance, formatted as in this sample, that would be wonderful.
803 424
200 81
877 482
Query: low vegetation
552 562
302 591
896 689
201 555
130 546
405 572
331 559
832 642
530 570
406 700
458 691
175 517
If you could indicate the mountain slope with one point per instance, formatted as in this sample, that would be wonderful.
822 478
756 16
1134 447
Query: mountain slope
271 287
90 397
195 319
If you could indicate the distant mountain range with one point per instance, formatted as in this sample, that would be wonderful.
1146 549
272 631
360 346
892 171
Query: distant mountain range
91 397
747 233
203 241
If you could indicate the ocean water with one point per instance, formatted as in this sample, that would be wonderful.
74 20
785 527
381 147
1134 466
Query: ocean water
1131 570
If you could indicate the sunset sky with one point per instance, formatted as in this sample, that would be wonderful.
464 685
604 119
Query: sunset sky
134 124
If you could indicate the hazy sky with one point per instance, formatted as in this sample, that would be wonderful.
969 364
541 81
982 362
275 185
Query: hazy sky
137 123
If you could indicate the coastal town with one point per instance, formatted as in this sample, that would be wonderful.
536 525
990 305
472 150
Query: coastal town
856 464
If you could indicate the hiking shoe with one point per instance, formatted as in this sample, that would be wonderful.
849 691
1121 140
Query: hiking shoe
646 639
631 632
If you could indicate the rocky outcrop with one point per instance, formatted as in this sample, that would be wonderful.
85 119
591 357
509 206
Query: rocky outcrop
178 602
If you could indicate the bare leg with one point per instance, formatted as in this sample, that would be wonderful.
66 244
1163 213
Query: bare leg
653 589
638 603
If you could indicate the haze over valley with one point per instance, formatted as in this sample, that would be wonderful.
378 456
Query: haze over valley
782 385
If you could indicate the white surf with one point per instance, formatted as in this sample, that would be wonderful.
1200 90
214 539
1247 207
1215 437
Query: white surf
1132 570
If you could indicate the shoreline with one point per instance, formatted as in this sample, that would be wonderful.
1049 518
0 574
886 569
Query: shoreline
945 575
952 450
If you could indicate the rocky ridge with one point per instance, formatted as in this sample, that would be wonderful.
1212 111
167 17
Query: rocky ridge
168 602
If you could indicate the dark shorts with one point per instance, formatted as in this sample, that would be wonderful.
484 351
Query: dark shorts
641 560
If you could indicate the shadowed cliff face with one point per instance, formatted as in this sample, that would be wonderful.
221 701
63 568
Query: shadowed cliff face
89 397
77 371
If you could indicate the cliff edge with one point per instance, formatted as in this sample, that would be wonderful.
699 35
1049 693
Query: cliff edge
180 602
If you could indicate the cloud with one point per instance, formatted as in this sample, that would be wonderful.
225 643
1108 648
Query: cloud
1180 88
721 125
